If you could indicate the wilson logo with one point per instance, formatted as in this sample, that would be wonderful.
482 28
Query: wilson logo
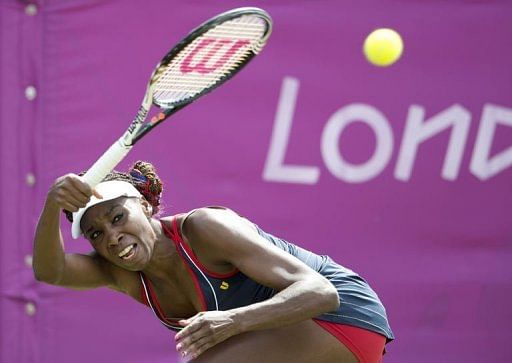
141 116
201 59
224 285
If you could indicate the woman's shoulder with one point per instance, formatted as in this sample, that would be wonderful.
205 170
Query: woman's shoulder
198 216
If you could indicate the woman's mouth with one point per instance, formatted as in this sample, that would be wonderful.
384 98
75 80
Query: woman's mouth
128 252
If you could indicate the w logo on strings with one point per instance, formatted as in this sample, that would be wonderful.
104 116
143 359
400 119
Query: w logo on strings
211 54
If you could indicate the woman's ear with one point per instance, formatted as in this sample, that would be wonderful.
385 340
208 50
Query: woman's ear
146 207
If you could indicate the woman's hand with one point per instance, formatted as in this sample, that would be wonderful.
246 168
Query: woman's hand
71 192
203 331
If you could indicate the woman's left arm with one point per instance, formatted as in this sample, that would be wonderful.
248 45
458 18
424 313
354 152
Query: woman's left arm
224 237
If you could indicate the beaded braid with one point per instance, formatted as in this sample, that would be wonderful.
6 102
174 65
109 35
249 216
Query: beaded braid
147 183
143 177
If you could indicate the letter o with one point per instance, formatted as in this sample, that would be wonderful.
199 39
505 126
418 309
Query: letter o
340 168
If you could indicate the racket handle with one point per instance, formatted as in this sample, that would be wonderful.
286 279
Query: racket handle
106 163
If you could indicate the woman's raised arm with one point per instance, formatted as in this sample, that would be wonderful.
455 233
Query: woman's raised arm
51 264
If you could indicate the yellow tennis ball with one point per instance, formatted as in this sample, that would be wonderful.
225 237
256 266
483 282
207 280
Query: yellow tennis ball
383 47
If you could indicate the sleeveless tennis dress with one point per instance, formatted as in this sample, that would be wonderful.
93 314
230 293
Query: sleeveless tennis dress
359 304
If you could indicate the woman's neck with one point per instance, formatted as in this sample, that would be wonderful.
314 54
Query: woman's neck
163 260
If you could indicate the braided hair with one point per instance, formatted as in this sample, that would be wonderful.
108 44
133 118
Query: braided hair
143 177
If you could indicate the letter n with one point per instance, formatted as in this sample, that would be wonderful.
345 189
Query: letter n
417 130
482 164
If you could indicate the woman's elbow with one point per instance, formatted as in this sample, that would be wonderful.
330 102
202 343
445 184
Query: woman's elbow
48 278
330 296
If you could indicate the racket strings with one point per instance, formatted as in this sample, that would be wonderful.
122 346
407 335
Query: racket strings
210 58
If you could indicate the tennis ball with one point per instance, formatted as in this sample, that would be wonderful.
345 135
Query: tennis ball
383 47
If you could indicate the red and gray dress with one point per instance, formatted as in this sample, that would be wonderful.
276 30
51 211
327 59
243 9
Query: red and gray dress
359 304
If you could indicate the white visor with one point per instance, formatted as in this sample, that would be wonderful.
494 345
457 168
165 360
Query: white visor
108 190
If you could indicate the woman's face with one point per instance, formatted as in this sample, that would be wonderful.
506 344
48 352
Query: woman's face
120 231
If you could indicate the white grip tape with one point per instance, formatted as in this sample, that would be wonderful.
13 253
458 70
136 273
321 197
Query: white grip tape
106 163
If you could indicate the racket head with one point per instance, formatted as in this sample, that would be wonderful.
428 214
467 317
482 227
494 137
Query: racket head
208 56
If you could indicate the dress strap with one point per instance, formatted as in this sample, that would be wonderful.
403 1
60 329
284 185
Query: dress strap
185 253
149 296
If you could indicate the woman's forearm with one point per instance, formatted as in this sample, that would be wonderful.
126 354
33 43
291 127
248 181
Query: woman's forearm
300 301
48 262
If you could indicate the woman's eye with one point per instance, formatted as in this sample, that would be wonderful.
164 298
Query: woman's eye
117 218
94 235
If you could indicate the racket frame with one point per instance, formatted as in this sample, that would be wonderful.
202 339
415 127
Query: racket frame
137 128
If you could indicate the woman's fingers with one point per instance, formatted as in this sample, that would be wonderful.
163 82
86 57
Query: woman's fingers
197 348
80 185
97 194
191 334
69 207
85 188
195 343
70 192
191 325
76 194
203 331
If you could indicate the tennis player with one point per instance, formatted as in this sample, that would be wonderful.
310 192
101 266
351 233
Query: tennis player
231 291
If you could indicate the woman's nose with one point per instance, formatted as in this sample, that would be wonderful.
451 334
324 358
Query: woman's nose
114 238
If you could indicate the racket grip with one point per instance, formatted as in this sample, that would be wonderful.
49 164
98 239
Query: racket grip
106 163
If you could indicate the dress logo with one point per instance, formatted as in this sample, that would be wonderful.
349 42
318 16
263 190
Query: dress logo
224 285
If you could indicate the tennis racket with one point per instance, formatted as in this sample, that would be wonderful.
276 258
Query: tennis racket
206 58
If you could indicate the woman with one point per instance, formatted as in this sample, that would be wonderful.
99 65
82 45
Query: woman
230 290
